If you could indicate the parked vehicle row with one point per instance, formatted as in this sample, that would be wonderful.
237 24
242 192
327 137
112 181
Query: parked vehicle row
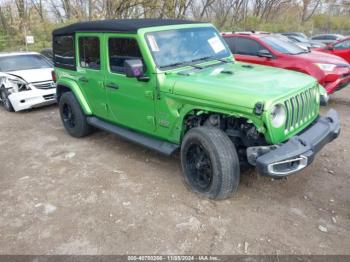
327 38
332 72
310 44
323 39
340 48
329 43
173 85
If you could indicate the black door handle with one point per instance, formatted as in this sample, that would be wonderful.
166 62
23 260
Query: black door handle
112 85
83 79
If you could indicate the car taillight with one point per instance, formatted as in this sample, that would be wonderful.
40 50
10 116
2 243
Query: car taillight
53 74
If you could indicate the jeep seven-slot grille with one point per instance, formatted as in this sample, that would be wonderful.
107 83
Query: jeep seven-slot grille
300 109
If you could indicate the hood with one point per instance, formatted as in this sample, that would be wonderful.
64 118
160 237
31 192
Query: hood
321 57
34 75
239 84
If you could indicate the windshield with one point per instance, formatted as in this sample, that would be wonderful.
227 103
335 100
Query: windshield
283 46
182 46
23 62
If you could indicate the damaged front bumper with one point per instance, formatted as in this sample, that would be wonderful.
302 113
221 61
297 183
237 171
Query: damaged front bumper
299 151
32 98
339 84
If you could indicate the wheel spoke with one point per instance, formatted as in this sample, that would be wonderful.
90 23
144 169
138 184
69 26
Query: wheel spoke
68 116
199 166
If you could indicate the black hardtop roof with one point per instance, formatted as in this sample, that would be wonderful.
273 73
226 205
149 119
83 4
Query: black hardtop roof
118 25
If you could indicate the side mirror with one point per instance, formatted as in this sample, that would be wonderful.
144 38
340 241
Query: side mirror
330 47
265 53
134 68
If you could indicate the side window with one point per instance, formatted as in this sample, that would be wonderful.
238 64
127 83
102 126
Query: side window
63 51
245 46
330 37
320 37
89 52
342 45
121 49
231 43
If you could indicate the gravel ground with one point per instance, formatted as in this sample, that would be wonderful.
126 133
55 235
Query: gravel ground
103 195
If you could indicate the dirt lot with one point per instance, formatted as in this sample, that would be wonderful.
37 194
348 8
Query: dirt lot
103 195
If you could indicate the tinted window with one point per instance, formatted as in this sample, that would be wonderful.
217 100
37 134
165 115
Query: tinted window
231 43
121 49
23 62
245 46
317 37
63 49
282 46
343 45
330 37
89 52
325 37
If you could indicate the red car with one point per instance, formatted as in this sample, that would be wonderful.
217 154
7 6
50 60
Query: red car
331 71
340 48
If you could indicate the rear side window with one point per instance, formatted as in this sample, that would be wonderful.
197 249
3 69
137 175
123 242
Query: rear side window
324 37
330 37
318 38
245 46
89 52
121 49
63 50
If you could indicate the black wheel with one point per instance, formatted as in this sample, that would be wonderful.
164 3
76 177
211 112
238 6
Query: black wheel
6 101
73 117
210 163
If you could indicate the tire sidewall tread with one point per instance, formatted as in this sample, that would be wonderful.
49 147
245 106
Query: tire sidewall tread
82 128
4 92
224 159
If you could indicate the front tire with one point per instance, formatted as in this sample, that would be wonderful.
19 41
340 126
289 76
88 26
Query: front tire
6 101
210 163
73 117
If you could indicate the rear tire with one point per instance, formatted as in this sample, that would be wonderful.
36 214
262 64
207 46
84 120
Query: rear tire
6 101
210 162
73 117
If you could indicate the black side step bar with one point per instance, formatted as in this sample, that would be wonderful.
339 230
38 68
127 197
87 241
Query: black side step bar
160 146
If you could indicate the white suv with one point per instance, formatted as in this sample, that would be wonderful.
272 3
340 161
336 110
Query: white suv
26 81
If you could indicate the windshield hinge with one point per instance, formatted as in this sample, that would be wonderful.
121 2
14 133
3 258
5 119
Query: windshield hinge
259 108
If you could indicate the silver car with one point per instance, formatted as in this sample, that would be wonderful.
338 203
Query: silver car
327 38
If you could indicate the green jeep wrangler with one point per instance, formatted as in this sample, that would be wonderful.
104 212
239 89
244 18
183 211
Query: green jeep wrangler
173 84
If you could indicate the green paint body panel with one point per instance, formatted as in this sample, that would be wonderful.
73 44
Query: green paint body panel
158 107
70 80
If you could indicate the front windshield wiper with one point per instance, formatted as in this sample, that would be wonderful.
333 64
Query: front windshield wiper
301 52
190 63
185 63
172 65
201 59
211 57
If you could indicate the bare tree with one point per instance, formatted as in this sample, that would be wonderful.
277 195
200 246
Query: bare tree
309 8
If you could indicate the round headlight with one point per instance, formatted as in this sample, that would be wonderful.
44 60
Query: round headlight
278 115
